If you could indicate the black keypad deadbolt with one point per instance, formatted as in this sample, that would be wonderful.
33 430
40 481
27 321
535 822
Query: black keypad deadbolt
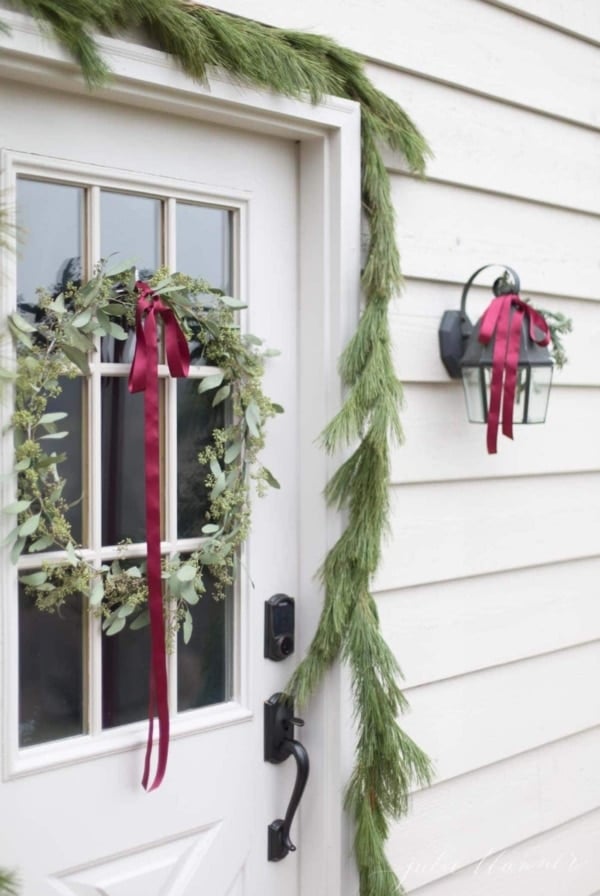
279 627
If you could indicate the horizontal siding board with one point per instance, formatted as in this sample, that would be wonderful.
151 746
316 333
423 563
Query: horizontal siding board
453 530
415 319
559 862
444 231
461 42
481 143
483 718
580 17
440 443
455 628
462 822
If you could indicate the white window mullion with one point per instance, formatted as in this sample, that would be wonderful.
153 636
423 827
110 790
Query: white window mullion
94 484
170 466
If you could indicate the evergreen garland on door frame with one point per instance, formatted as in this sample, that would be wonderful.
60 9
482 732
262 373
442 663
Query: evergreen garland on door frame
298 64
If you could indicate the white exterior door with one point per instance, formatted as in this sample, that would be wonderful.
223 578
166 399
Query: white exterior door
270 211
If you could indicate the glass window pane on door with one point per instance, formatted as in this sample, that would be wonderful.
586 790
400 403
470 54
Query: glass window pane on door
204 664
123 484
131 230
204 244
51 698
51 219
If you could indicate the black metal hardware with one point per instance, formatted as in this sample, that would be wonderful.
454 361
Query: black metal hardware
279 627
279 744
456 327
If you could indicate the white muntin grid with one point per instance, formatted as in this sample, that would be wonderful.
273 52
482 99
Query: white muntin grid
95 738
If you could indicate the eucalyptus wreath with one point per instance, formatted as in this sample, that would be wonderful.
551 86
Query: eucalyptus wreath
388 763
55 345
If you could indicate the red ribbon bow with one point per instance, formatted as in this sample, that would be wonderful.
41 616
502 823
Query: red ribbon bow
503 320
143 377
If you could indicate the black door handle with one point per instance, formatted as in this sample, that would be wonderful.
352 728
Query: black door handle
279 744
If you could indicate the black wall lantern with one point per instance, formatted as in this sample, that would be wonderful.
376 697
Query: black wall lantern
503 360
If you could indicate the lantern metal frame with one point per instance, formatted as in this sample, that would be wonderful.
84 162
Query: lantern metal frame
461 350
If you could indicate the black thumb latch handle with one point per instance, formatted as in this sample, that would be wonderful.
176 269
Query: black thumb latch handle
279 744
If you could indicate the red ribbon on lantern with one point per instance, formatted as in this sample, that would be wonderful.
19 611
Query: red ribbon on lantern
503 321
143 377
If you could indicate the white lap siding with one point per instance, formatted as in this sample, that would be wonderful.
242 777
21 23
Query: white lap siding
488 591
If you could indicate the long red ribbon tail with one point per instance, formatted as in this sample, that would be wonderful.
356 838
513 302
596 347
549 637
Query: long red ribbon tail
503 320
144 377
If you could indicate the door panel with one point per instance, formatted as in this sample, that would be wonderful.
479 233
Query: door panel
74 817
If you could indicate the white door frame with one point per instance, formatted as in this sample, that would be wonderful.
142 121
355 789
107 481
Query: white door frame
329 299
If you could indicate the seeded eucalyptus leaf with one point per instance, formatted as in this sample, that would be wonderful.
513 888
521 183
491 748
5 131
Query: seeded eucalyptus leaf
58 304
30 525
77 357
210 382
54 435
210 529
118 266
133 572
103 319
17 507
10 537
186 573
215 467
125 610
34 578
189 594
77 339
252 416
232 303
22 337
56 493
17 549
223 393
89 292
19 322
270 478
140 621
219 486
115 309
232 452
82 319
116 626
41 544
188 627
116 331
72 556
53 417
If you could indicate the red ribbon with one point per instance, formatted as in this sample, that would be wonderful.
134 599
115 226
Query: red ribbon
503 320
143 377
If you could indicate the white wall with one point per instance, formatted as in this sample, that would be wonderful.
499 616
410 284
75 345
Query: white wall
488 591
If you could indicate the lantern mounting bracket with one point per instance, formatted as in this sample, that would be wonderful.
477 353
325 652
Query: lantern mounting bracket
456 327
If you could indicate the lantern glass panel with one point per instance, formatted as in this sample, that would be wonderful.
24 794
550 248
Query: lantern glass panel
476 383
539 393
523 385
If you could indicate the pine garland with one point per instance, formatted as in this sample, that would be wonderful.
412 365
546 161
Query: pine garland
388 762
8 883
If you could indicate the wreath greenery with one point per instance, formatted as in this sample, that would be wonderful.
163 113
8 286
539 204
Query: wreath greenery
55 345
302 65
